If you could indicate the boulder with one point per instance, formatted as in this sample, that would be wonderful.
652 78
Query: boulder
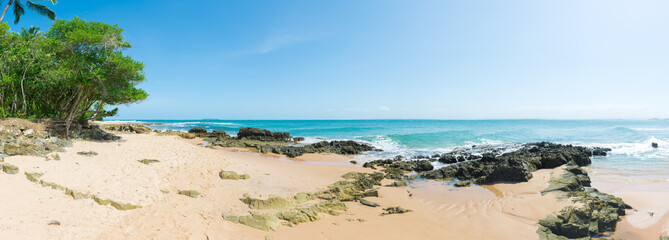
654 145
8 168
197 130
265 222
369 203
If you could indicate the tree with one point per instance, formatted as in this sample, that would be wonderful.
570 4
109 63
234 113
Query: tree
31 33
19 10
90 54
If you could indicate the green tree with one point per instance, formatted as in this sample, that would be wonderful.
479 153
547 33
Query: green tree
19 10
30 33
97 72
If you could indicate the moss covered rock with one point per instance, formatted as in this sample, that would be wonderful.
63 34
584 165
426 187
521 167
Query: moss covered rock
273 202
8 168
190 193
265 222
230 175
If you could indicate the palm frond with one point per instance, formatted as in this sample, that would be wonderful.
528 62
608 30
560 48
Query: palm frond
18 11
41 10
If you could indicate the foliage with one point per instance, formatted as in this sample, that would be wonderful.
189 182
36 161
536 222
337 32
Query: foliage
72 72
18 9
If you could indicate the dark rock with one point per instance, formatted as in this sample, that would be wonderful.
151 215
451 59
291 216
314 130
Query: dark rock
263 135
598 151
515 166
394 210
447 159
462 184
197 130
369 203
127 127
654 145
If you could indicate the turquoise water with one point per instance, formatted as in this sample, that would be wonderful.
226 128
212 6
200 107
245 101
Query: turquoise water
632 157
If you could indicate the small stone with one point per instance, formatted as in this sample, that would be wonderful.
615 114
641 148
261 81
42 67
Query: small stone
164 191
54 222
369 203
89 153
394 210
654 145
148 161
190 193
230 175
9 169
462 184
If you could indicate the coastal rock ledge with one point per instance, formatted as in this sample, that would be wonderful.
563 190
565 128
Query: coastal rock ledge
515 166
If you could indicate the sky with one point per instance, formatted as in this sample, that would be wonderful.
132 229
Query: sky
385 59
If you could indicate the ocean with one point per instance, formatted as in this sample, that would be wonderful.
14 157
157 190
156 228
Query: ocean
632 158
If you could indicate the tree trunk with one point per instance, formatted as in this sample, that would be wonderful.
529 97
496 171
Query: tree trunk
73 110
5 11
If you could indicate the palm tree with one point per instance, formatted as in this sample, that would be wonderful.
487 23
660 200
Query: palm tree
19 10
30 33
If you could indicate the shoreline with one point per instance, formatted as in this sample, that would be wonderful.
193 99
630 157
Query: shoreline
482 212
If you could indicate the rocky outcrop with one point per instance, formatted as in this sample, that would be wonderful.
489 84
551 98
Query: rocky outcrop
265 135
596 213
35 178
21 140
399 163
126 128
306 207
338 147
266 141
515 166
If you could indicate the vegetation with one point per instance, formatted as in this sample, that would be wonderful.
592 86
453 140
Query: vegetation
19 9
71 72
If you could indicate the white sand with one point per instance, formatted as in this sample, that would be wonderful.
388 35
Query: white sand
509 211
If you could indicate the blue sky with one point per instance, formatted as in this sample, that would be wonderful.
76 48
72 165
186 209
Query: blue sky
391 59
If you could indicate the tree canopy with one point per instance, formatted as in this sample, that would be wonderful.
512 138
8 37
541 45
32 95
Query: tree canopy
70 72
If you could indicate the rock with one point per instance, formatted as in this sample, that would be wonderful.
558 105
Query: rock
515 166
358 186
263 135
232 175
54 222
399 183
394 210
88 154
598 213
447 159
190 193
265 222
8 168
598 151
164 191
654 145
273 202
127 128
664 237
310 212
462 184
369 203
123 206
148 161
197 130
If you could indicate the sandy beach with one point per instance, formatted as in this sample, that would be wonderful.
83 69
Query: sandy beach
439 210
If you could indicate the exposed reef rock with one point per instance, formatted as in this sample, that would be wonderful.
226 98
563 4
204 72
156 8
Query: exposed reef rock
265 135
230 175
8 168
306 207
515 166
35 177
127 128
597 213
